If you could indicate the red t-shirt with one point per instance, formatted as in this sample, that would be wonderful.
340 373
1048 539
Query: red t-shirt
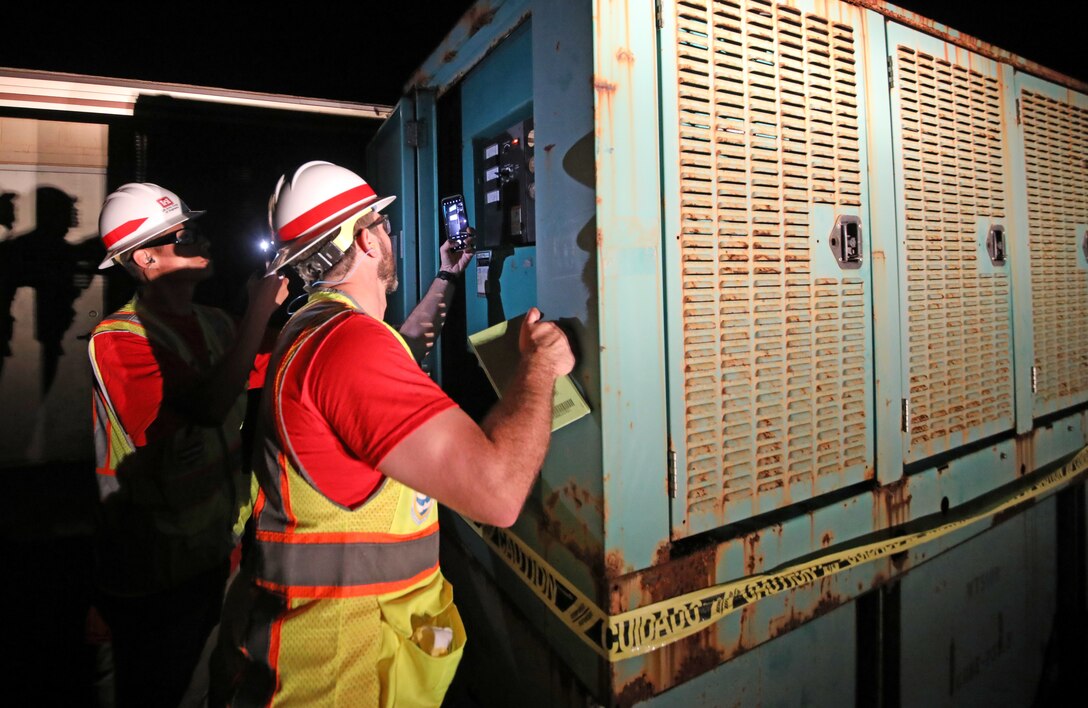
348 398
133 373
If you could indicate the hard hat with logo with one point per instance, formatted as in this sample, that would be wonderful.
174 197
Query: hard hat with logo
307 211
135 214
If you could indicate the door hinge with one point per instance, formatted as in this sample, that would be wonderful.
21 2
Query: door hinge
413 133
672 470
1035 379
906 415
1018 111
891 73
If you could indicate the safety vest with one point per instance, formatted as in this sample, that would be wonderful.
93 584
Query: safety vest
176 507
345 590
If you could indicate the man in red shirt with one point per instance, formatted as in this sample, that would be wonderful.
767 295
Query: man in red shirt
169 397
345 603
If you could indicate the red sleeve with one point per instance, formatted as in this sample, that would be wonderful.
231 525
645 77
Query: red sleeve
132 376
370 389
260 362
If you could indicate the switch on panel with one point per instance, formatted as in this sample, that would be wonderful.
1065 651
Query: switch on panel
506 188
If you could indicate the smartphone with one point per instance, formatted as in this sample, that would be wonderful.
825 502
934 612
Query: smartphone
455 220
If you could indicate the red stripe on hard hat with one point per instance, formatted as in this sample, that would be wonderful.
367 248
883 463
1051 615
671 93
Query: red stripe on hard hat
302 223
121 231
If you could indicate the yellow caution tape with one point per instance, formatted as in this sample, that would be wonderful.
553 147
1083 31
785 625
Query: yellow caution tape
646 629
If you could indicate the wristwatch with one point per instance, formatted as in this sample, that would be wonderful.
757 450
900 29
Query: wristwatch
447 276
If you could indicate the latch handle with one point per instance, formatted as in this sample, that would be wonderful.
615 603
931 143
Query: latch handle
846 241
996 245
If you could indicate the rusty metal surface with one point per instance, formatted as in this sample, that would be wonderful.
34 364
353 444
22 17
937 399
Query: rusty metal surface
886 508
774 348
1056 164
947 34
759 289
958 345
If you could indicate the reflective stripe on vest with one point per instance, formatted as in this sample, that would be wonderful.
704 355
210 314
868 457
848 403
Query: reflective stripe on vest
330 569
306 544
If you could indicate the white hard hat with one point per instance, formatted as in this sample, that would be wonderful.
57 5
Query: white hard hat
135 214
307 210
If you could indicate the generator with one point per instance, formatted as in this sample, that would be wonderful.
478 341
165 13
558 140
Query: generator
826 267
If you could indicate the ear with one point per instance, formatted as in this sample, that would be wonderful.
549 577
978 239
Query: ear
366 241
142 258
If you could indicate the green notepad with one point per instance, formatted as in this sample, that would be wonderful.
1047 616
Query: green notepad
497 350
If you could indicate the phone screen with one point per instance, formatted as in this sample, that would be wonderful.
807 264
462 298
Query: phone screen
453 212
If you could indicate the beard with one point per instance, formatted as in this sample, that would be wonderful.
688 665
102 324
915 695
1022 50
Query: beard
387 269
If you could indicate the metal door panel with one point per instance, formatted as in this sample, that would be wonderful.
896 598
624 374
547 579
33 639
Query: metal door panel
1054 139
770 366
952 177
391 169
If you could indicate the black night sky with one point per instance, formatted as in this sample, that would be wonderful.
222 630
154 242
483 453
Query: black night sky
366 51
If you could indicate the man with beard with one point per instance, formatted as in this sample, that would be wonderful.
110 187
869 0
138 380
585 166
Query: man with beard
169 397
344 602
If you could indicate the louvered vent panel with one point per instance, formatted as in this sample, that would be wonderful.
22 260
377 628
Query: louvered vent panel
1056 158
774 358
959 335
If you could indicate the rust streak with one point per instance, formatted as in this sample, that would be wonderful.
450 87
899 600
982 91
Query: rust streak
478 18
635 692
671 577
614 564
894 500
695 658
557 523
753 560
794 619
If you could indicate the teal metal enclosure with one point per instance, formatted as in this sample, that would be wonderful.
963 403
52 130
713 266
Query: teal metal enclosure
826 267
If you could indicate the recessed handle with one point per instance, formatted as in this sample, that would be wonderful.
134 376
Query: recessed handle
846 241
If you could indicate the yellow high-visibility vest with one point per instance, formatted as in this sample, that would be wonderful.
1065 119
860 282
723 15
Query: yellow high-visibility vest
347 600
175 508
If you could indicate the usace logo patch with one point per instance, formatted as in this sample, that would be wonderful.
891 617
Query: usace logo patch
421 508
166 202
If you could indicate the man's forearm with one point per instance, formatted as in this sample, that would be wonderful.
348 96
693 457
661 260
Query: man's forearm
519 426
209 401
422 327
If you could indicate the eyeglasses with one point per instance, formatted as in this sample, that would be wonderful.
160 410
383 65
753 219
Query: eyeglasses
382 223
184 237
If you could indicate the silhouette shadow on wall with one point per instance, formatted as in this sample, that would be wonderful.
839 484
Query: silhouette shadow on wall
57 271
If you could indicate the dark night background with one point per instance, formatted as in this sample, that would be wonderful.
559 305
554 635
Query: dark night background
219 159
366 51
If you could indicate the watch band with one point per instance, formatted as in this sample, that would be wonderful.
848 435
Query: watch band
447 276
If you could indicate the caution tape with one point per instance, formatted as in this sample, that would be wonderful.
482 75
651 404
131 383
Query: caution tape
646 629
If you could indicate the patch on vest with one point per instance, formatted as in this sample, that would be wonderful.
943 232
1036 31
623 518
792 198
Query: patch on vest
421 508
